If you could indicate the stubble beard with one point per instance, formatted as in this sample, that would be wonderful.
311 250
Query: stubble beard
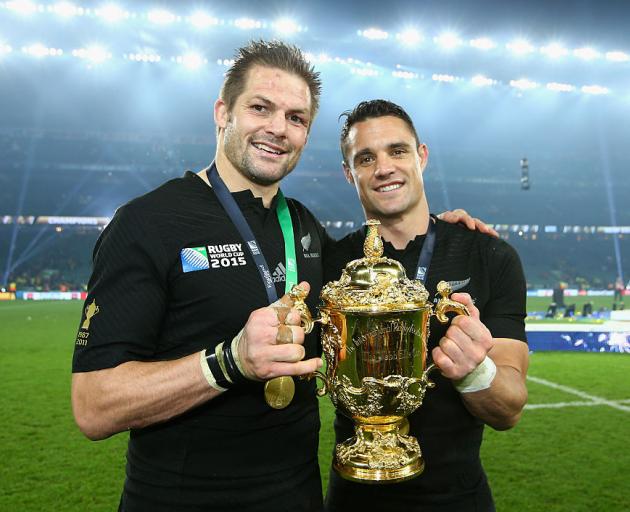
241 160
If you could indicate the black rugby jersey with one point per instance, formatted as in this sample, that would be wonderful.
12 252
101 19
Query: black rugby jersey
171 277
450 437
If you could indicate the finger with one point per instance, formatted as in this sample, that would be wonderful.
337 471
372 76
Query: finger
451 347
285 335
282 312
467 301
288 353
443 362
299 368
293 318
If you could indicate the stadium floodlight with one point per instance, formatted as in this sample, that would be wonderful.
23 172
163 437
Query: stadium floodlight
286 26
405 75
247 23
483 43
594 89
523 84
66 9
443 78
112 13
448 40
520 47
192 61
40 50
95 54
364 71
21 6
560 87
617 56
409 37
4 49
200 19
586 53
161 16
554 50
375 34
482 81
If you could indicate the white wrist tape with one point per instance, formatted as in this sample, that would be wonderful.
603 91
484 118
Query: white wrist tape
480 378
207 373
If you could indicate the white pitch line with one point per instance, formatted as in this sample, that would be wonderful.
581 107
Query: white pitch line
595 400
560 405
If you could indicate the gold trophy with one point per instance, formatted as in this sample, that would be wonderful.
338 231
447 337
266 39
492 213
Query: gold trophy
374 336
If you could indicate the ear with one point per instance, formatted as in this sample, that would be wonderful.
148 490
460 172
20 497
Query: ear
348 173
221 114
423 153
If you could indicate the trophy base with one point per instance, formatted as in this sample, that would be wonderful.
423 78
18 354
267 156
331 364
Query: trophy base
379 453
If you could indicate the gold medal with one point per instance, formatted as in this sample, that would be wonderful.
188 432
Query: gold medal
279 392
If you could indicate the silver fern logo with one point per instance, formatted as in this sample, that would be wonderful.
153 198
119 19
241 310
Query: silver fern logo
306 242
458 285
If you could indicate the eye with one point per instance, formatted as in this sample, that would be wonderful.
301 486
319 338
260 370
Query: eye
294 118
399 152
366 159
259 108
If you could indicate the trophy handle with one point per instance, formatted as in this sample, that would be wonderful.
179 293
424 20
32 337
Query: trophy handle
307 321
425 382
446 305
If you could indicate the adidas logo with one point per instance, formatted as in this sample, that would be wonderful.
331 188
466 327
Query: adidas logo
279 274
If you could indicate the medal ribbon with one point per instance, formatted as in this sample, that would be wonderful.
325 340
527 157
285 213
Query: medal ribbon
426 254
238 219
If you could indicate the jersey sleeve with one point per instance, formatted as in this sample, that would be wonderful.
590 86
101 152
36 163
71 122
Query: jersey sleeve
505 312
126 297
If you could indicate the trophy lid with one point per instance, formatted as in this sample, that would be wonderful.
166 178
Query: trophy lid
374 283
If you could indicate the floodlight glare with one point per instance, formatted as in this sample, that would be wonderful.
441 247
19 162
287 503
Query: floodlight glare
5 48
520 47
442 78
586 53
247 23
161 16
409 37
617 56
112 13
595 89
482 81
286 26
523 84
201 19
36 50
556 86
364 72
448 40
406 75
95 54
554 51
483 43
192 61
67 9
374 34
21 6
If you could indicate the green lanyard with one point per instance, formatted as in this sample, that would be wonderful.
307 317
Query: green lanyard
286 225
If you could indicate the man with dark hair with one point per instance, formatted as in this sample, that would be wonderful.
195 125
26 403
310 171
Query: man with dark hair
482 359
178 335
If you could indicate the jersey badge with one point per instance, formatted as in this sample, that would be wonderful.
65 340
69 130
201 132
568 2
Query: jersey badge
194 258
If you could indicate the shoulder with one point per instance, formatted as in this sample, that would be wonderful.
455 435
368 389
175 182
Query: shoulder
455 235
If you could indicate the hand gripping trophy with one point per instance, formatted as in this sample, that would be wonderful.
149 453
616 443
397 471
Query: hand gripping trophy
374 336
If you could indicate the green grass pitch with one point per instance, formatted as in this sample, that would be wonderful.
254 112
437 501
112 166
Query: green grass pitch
569 452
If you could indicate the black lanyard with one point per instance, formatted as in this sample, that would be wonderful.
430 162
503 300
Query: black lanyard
424 261
236 216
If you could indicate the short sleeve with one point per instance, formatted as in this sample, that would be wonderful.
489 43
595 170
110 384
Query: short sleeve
126 298
505 312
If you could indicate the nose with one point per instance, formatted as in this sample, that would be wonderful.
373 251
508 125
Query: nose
384 166
277 124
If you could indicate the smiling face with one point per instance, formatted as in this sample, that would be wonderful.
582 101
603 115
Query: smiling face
386 165
262 137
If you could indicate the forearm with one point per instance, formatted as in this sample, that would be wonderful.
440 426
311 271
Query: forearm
137 394
501 405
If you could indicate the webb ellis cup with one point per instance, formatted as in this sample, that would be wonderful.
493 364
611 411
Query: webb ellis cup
374 336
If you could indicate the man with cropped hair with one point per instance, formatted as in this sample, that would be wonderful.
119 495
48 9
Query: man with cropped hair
482 359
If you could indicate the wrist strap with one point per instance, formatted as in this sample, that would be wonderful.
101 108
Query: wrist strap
207 372
480 378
